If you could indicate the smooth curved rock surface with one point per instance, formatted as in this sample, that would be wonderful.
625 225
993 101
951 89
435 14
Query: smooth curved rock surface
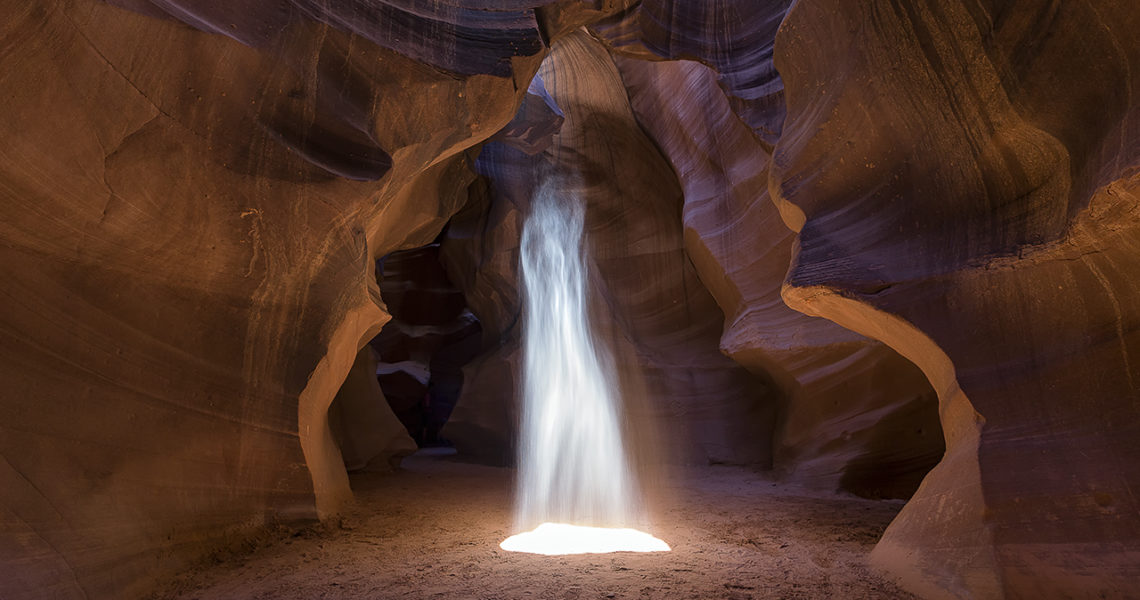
734 37
189 222
193 195
649 300
368 434
717 411
957 196
854 414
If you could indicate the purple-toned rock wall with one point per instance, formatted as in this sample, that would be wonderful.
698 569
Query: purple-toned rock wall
835 237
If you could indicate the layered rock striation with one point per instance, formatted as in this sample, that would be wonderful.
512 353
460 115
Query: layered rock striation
814 228
962 177
853 414
649 303
193 195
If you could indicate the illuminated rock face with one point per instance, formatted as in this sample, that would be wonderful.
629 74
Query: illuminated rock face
854 414
663 321
192 197
190 214
954 200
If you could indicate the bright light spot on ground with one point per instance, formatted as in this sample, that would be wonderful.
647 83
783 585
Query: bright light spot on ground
558 538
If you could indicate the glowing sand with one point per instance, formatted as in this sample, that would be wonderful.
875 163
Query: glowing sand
573 467
559 538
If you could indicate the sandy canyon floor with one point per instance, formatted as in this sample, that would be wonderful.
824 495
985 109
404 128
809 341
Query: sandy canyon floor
432 529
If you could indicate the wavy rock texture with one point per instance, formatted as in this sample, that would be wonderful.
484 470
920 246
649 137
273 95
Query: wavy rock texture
855 415
191 206
193 194
734 37
958 196
665 323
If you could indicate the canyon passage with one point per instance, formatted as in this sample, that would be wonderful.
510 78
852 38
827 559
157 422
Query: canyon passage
330 299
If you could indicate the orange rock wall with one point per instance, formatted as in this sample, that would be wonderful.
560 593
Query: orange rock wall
193 195
189 215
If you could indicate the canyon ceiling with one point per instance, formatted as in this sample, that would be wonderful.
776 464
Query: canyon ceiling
887 247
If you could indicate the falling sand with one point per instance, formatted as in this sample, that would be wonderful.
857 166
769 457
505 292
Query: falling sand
575 484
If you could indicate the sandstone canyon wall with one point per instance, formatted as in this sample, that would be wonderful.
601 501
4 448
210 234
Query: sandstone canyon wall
650 303
835 234
853 413
423 348
192 200
962 176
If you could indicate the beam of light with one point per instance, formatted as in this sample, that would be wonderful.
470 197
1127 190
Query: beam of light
573 466
559 538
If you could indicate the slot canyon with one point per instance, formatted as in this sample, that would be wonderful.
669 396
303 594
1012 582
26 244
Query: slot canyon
857 284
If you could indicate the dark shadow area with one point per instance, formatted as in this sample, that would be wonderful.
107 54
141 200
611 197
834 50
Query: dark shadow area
905 445
423 348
